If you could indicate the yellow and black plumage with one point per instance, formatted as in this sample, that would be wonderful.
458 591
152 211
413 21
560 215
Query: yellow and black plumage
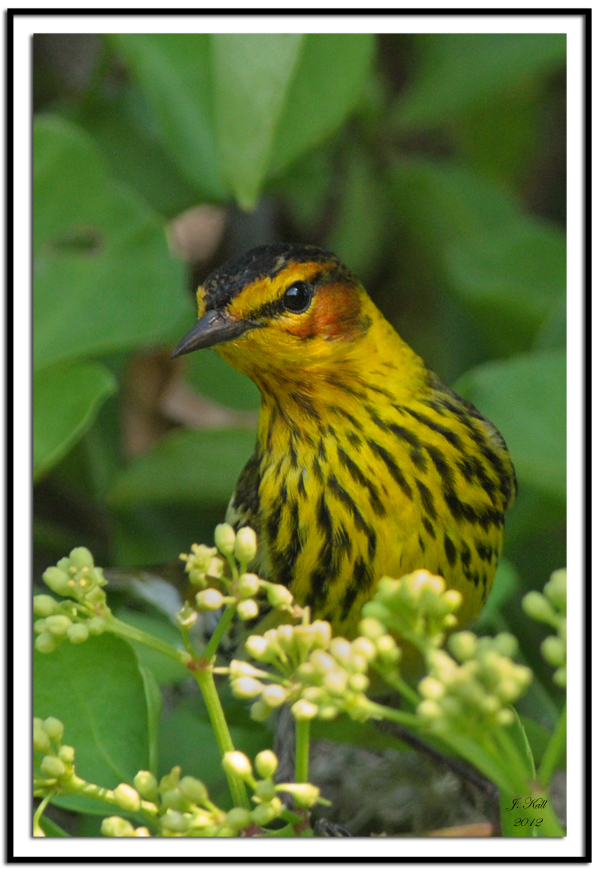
365 463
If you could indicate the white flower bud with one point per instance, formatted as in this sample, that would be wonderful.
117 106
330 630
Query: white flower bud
45 642
246 687
57 624
115 826
305 795
238 818
225 538
245 545
274 695
44 605
145 782
52 767
78 632
279 596
127 797
304 711
266 763
67 754
54 728
209 599
247 609
237 764
538 607
81 558
57 580
248 586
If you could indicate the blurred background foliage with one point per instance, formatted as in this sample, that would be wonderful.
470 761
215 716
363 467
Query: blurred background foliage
434 165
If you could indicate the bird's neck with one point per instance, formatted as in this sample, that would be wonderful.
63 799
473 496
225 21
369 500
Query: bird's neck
304 404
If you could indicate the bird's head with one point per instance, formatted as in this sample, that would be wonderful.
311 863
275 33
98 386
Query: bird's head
280 307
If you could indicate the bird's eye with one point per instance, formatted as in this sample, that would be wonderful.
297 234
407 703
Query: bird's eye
298 297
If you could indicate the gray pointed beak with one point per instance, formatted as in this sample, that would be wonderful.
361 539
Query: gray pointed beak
214 327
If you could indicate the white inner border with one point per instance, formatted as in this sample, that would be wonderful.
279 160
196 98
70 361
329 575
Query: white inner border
311 849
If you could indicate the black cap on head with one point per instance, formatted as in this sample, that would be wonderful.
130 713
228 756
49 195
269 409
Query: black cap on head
228 280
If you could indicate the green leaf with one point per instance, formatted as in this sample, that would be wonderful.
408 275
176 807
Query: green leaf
211 376
553 331
153 534
51 829
252 75
500 139
154 706
164 670
103 276
361 222
120 123
440 202
97 691
186 466
174 73
525 397
461 70
511 279
343 730
328 82
66 399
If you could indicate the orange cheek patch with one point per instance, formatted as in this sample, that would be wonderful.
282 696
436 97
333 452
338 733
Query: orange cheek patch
334 316
337 312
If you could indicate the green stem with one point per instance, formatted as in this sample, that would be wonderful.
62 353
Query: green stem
379 711
516 764
206 682
401 686
213 644
37 828
117 626
554 750
302 750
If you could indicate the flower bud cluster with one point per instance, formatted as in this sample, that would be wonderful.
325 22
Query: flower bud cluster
56 765
417 607
319 676
74 577
205 566
265 791
472 692
202 563
551 607
180 806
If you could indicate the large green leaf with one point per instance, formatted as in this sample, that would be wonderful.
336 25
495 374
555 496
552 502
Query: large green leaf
439 202
511 278
121 124
252 75
358 235
211 376
103 277
233 108
525 397
461 70
97 690
186 467
174 72
329 80
500 138
66 399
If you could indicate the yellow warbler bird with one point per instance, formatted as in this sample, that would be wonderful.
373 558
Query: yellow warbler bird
365 463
